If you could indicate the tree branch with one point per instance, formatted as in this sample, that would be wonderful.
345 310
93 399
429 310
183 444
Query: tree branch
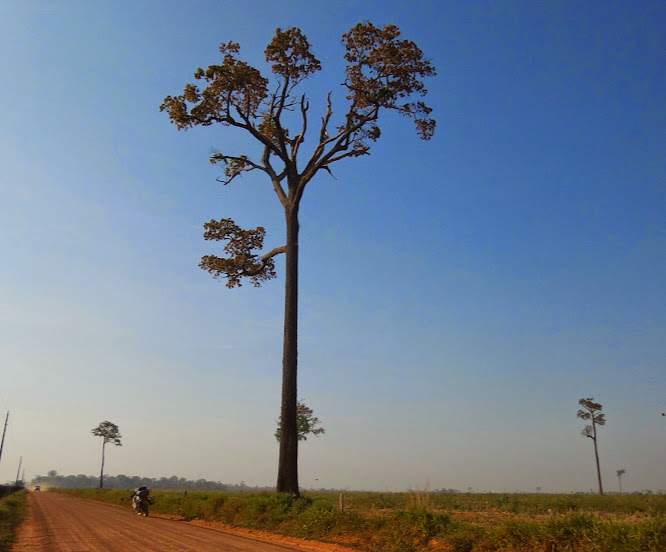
296 143
247 125
275 178
276 118
234 165
264 260
319 159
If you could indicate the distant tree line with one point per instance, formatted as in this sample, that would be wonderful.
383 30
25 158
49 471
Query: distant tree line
52 479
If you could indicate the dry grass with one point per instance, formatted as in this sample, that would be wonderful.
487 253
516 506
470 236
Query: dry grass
420 498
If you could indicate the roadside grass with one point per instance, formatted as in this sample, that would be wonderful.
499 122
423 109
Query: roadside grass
13 512
433 522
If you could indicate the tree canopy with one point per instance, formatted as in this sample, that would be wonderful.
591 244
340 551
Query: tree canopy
383 71
109 432
591 411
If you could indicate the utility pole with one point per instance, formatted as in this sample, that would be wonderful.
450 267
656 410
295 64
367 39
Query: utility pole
18 472
2 444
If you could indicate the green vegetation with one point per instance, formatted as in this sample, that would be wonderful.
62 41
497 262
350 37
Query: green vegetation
13 512
415 522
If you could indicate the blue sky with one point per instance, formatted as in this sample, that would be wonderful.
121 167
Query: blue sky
458 296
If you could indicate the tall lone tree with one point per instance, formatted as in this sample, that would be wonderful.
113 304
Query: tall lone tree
592 411
383 72
620 473
109 433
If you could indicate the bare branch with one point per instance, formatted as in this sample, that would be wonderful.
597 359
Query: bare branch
328 170
275 178
323 134
343 139
276 118
248 268
247 125
353 153
282 196
296 143
264 260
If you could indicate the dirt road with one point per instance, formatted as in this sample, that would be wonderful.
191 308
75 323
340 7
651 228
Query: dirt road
60 523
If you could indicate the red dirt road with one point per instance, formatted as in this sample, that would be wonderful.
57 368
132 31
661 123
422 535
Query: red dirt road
60 523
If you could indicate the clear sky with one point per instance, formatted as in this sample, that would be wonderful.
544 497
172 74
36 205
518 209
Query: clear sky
457 297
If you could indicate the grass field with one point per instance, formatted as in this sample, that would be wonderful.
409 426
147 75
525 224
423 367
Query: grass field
13 511
418 522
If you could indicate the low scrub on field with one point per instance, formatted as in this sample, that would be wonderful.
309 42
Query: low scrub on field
13 512
419 522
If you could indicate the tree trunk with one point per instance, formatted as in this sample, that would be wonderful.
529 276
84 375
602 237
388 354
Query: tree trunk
101 473
596 456
287 480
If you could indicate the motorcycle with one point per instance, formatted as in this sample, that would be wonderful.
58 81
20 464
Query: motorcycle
141 500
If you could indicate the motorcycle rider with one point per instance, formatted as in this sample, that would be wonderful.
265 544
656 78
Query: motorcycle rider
141 500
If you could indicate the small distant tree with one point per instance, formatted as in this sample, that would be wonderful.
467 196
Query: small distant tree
52 473
308 423
109 433
620 473
591 411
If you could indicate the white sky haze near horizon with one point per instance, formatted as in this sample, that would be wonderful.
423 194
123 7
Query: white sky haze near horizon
457 296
